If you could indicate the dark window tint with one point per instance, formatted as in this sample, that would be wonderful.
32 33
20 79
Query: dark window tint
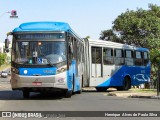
108 56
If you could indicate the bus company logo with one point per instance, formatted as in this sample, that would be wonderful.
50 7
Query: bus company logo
36 80
6 114
60 80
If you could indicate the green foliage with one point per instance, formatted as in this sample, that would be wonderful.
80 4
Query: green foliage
110 35
2 58
87 37
136 27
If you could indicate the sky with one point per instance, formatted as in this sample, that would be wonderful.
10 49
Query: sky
86 17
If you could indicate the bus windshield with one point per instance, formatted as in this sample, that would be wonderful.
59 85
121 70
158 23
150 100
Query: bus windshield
38 52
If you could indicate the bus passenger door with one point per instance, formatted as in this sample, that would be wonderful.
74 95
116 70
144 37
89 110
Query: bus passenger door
96 65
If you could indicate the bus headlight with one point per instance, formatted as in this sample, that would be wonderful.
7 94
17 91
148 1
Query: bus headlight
60 80
61 69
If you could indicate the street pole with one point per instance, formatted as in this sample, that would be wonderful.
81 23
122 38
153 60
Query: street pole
13 14
4 13
158 81
158 76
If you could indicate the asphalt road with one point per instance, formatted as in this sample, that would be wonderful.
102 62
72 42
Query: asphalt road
87 101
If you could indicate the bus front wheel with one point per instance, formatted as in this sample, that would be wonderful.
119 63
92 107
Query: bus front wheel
25 93
68 93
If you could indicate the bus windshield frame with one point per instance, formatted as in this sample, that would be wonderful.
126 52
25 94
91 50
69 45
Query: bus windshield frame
39 49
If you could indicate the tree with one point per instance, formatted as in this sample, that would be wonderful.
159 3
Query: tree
140 27
2 58
87 37
109 35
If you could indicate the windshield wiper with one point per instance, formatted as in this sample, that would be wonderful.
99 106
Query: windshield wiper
50 63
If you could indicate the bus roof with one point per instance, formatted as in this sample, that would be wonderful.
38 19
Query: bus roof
109 44
43 26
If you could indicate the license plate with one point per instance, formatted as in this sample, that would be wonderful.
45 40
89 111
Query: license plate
37 83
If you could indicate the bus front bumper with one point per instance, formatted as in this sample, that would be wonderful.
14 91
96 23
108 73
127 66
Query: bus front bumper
39 82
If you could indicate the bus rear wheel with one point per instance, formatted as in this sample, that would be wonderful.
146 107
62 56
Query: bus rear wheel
126 84
101 89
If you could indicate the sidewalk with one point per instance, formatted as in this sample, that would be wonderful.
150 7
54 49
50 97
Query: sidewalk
132 93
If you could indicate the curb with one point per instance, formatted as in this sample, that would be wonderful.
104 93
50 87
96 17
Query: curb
136 96
148 97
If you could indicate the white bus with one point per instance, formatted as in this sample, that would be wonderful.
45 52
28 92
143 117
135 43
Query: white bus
109 64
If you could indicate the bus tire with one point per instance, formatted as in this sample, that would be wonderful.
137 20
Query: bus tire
101 89
68 93
79 92
25 93
73 84
126 84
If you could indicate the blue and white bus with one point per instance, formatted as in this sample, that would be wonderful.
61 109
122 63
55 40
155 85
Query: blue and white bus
46 56
109 64
49 56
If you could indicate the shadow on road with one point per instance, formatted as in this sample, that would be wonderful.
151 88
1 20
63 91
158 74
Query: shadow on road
17 95
98 91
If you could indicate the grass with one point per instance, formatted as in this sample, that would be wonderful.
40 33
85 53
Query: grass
143 90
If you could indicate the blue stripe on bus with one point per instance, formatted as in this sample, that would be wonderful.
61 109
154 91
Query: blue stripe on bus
136 74
72 71
52 71
37 71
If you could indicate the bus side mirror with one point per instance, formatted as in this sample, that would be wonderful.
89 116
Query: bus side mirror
7 50
6 45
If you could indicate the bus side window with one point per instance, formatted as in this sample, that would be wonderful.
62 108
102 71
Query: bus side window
70 49
129 57
138 58
107 56
145 58
118 59
96 55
